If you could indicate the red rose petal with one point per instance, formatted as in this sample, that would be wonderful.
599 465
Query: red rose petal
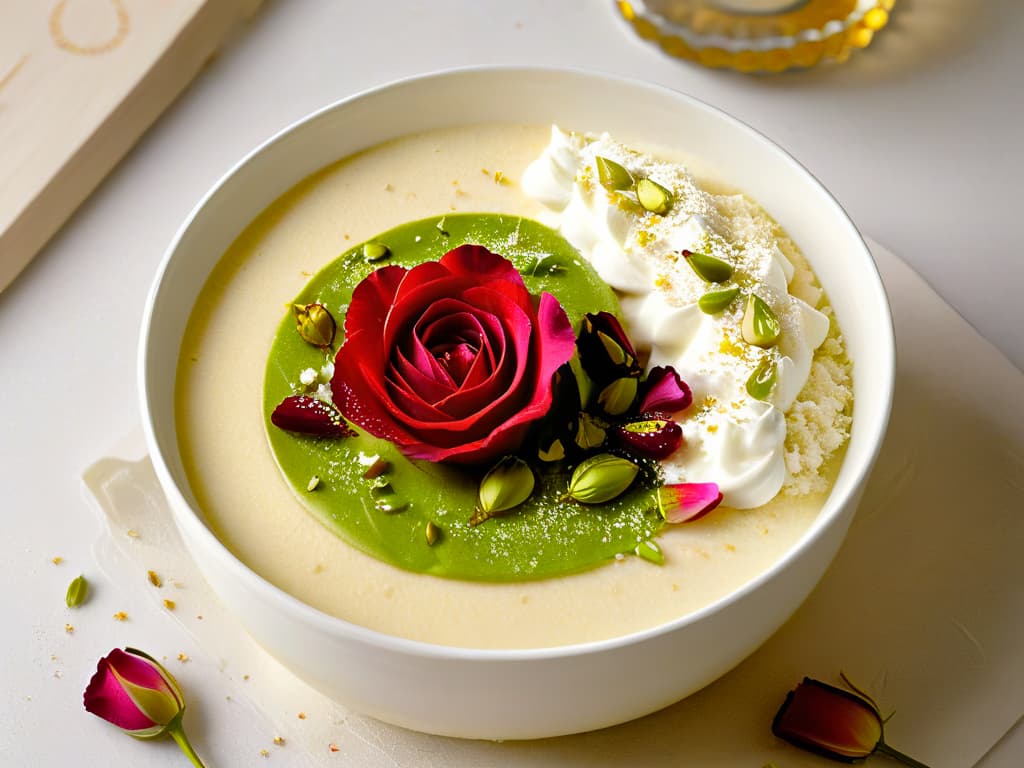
309 416
686 502
665 391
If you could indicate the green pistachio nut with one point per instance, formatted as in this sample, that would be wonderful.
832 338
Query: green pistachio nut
508 484
760 325
601 478
762 380
314 324
708 268
77 590
612 176
590 433
713 302
653 197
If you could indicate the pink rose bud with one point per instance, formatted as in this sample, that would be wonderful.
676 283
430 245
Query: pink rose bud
834 723
133 691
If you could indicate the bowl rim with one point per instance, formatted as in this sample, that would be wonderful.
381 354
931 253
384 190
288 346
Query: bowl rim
340 628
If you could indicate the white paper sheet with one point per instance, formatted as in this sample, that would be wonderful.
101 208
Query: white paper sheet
923 606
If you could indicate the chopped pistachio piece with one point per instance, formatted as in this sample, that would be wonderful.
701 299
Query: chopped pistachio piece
618 396
77 590
314 481
554 452
708 268
612 176
601 478
377 468
713 302
590 433
760 325
653 197
762 380
378 251
432 533
651 552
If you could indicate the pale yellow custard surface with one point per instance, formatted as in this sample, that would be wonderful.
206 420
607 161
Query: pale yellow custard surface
251 508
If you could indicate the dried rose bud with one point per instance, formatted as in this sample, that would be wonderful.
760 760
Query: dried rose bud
835 723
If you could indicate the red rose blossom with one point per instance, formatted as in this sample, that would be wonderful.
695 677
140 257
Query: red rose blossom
451 360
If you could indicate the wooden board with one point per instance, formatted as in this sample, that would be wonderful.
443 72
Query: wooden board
80 80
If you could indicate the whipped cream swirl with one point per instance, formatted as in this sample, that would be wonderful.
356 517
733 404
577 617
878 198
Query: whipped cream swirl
730 437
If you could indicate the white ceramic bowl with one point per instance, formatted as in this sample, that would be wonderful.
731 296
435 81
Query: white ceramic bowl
540 692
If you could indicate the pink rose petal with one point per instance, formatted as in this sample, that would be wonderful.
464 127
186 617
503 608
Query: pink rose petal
686 502
665 392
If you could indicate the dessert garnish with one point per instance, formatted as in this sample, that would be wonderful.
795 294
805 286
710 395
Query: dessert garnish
760 326
713 302
310 416
686 502
762 380
710 269
315 324
476 388
506 485
653 197
601 478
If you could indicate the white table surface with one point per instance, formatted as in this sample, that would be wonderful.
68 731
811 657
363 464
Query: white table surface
918 138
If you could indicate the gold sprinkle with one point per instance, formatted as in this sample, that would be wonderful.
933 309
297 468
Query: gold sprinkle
264 753
455 182
318 568
69 628
169 605
731 547
347 236
120 616
712 428
459 193
58 560
245 677
279 741
302 715
199 616
304 273
500 178
182 657
132 533
388 188
485 172
154 578
675 587
333 747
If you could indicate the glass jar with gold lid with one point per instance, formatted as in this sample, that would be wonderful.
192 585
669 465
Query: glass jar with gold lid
757 35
